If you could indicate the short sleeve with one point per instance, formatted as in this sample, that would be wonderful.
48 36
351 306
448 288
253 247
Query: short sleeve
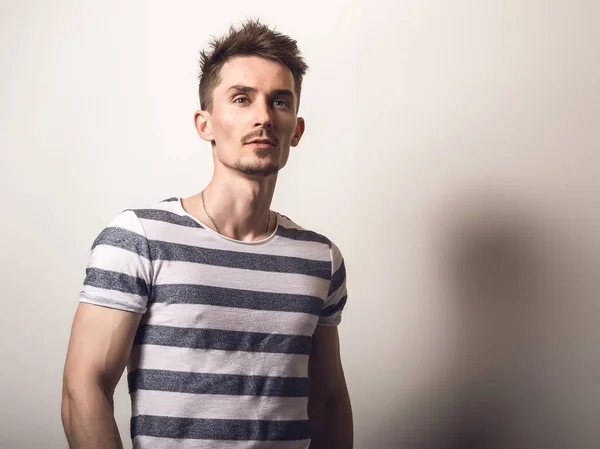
331 314
119 269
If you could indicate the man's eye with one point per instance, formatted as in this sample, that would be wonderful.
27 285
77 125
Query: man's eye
240 100
281 103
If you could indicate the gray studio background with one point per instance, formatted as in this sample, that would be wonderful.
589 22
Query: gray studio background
451 151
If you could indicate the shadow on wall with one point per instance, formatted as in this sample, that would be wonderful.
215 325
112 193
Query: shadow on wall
512 382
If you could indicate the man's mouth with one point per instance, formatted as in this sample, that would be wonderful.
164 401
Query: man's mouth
262 142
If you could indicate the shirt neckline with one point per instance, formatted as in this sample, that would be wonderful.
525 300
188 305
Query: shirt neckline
229 239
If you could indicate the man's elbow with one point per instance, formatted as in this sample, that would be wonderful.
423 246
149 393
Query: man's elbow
66 406
336 399
336 403
331 421
81 392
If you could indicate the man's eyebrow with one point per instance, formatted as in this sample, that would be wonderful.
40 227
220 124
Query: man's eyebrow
283 92
241 88
247 89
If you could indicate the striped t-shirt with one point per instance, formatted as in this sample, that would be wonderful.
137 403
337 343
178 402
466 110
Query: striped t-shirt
220 359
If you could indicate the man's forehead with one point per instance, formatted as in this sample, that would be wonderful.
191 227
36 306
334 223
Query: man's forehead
255 72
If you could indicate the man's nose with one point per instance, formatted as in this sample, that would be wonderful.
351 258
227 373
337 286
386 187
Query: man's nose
263 115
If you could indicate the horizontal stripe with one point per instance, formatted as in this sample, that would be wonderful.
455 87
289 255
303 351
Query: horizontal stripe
337 279
230 318
228 297
337 295
219 429
168 200
111 258
335 308
174 272
235 259
303 235
219 362
167 217
102 294
223 340
113 280
113 299
171 233
212 406
170 443
220 384
125 239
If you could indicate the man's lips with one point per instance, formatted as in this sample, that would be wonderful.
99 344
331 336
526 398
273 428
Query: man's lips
262 142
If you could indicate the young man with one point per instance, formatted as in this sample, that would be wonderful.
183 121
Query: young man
224 311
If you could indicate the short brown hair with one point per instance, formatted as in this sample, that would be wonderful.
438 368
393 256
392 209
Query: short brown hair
252 39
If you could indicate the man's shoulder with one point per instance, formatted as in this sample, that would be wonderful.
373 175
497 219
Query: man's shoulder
291 229
168 211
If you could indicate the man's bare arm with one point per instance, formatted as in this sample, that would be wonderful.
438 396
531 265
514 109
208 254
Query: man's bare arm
100 344
329 406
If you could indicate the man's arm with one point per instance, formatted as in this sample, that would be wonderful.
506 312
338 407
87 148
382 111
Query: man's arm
329 407
100 344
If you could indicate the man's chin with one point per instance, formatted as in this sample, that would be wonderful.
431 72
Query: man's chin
258 170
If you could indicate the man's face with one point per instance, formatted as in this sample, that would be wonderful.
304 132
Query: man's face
253 122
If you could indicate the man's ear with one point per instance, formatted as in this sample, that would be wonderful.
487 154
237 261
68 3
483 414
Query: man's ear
202 123
298 132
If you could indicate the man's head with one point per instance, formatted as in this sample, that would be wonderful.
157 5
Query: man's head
250 85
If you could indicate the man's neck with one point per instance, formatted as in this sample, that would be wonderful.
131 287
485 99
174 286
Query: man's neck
239 206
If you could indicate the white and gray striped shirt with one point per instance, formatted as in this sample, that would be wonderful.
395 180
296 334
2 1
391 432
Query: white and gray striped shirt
220 358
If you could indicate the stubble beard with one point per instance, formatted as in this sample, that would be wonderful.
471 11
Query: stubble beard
257 169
